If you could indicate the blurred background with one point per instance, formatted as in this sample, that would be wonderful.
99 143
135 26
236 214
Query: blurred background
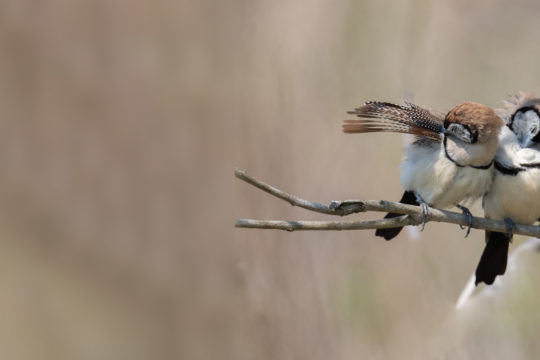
122 123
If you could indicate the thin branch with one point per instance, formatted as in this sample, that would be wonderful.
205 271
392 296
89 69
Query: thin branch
325 225
347 207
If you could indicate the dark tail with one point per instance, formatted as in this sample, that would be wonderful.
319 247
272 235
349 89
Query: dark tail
494 257
388 234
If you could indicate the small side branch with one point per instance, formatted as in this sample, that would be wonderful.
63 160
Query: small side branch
412 214
325 225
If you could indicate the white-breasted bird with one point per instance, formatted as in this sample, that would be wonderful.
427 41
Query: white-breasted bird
515 193
451 161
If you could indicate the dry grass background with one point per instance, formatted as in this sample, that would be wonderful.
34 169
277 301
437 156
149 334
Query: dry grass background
122 121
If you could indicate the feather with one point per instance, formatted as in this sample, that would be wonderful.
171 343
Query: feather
388 234
378 116
514 103
494 258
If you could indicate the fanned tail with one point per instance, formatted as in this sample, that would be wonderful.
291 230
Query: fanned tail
378 116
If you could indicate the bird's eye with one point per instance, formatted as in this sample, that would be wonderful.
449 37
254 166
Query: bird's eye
461 132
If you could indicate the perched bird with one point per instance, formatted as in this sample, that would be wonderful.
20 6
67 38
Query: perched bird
515 193
451 160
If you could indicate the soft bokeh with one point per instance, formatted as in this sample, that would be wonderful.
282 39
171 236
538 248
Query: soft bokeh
122 123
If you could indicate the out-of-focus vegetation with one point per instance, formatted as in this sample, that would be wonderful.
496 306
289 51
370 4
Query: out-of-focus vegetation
122 121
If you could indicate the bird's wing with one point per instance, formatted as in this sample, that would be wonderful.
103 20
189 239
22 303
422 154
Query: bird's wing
511 158
375 116
529 157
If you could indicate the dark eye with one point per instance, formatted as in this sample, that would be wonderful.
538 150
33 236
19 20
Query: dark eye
462 132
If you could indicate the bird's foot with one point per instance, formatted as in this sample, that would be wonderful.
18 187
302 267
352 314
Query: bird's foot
467 213
425 210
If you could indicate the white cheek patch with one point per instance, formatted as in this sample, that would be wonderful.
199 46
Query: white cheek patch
526 124
460 132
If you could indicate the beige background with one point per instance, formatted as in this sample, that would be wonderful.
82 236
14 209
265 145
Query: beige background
121 123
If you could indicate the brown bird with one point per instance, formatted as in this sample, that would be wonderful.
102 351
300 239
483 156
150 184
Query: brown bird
448 164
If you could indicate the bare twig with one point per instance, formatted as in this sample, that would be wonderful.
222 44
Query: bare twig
412 214
325 225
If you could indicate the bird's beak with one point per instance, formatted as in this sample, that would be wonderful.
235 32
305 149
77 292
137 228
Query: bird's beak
525 142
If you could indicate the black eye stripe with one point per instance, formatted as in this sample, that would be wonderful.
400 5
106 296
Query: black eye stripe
473 132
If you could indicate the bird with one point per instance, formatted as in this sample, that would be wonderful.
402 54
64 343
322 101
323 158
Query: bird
450 163
515 192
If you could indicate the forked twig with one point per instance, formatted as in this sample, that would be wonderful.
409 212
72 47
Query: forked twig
412 214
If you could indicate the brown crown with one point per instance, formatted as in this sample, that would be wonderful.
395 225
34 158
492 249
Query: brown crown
477 116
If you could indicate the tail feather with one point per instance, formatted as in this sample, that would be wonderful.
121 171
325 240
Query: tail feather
408 198
494 258
386 117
